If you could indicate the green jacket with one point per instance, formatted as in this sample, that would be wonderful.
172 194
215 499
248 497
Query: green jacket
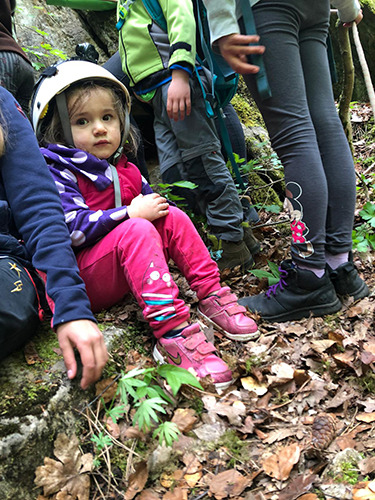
146 50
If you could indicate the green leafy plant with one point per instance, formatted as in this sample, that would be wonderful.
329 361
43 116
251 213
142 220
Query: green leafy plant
167 433
140 388
167 190
364 235
44 52
273 275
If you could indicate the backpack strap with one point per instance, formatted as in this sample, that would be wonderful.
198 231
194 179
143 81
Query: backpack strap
214 108
257 59
155 12
123 12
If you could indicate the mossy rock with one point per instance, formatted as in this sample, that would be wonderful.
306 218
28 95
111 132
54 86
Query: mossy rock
245 107
39 402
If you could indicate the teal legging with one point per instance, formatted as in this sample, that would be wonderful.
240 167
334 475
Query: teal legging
304 127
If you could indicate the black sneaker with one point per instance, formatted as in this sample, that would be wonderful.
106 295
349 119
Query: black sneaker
347 282
298 294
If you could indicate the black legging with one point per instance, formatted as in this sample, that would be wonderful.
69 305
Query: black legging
304 127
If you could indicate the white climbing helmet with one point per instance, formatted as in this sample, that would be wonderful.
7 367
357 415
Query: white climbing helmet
58 78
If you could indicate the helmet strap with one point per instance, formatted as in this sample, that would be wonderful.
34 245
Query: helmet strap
62 108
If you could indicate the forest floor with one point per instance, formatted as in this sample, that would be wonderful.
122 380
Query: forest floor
299 418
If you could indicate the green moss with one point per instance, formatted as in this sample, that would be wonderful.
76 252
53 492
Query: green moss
236 448
370 4
245 107
263 194
46 344
27 388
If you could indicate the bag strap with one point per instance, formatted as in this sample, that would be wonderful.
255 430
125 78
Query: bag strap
116 186
257 59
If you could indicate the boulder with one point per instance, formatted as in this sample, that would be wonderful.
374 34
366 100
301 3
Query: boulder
38 402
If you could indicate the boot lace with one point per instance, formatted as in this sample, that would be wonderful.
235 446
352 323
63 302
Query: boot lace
280 285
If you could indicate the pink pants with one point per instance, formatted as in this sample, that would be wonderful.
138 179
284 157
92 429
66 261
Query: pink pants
134 257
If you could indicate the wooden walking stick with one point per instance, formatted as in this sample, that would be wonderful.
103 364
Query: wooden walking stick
364 66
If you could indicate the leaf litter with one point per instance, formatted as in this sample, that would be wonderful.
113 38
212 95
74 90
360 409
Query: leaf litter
303 393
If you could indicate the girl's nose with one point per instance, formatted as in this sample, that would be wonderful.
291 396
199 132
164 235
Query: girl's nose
99 128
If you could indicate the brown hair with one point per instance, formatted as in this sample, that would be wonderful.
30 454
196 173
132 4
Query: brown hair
53 132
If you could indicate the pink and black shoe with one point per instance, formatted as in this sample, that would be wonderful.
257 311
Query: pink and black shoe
224 313
191 349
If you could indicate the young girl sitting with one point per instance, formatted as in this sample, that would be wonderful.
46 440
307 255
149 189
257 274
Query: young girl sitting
123 233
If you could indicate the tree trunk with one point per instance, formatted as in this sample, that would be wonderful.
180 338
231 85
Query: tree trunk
348 81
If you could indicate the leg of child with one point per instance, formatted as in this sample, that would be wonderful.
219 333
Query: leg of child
132 258
217 304
194 143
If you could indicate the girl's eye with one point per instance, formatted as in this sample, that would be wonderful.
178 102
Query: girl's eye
106 118
81 121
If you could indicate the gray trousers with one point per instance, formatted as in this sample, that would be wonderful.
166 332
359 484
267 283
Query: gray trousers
304 127
192 146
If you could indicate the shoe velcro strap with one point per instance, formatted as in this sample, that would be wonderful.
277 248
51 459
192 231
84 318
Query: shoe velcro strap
235 309
206 348
227 299
194 341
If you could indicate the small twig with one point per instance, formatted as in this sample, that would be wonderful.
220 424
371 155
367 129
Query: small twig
98 487
266 224
103 391
364 66
201 495
129 462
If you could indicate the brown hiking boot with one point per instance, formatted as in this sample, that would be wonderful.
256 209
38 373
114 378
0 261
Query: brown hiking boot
250 241
230 254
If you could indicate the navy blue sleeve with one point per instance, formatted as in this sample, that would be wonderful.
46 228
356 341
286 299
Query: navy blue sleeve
36 208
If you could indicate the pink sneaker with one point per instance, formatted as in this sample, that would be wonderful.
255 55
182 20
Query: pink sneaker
191 350
224 312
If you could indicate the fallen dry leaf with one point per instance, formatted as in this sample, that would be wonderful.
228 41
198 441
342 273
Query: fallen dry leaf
31 354
137 480
251 385
112 427
321 346
366 417
298 485
67 474
229 483
106 389
192 479
185 419
280 464
364 491
192 463
176 494
367 466
148 495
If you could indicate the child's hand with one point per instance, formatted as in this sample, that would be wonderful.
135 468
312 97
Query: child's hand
179 102
151 207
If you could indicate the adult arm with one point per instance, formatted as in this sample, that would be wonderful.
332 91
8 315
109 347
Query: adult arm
349 10
38 216
226 36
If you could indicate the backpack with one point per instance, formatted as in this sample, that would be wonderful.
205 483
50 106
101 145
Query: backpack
224 79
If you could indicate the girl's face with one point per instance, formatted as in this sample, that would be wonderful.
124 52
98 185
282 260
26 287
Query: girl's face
95 123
